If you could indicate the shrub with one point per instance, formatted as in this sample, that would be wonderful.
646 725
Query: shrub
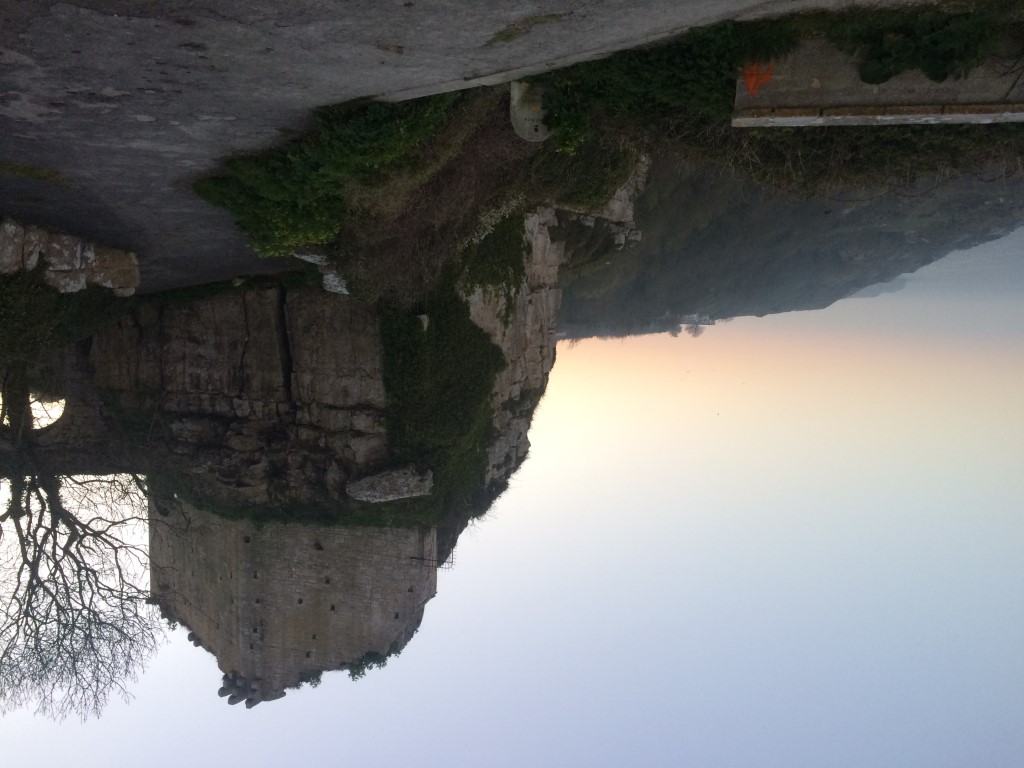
938 44
439 383
294 195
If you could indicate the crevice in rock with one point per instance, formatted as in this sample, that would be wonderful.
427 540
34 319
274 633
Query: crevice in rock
284 344
245 347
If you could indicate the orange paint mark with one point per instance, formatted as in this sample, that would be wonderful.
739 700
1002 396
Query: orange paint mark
756 75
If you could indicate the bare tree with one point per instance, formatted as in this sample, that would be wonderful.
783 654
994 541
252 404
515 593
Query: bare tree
75 625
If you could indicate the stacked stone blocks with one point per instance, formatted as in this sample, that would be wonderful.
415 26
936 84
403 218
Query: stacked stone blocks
70 263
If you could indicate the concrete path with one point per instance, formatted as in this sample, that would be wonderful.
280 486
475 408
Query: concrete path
817 84
116 106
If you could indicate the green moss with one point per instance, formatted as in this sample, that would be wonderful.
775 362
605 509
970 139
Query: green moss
439 382
498 261
586 174
35 318
168 483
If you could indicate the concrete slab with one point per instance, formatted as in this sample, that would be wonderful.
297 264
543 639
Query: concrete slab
819 85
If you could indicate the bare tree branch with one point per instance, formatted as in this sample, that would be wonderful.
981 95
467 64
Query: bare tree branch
75 624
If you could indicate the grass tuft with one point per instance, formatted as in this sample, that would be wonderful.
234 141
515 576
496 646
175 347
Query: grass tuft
517 29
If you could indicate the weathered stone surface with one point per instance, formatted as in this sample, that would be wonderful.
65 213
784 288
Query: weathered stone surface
87 256
197 430
34 247
368 421
335 348
334 283
66 281
527 340
63 253
114 269
334 480
278 603
393 485
364 450
71 263
276 394
12 237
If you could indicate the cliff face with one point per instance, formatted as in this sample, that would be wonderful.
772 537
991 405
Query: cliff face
527 339
272 398
276 395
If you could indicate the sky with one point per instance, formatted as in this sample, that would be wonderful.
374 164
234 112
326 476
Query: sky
793 541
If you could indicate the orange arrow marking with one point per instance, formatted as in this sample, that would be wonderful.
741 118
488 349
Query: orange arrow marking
756 75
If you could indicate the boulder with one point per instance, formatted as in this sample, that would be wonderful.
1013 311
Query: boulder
392 485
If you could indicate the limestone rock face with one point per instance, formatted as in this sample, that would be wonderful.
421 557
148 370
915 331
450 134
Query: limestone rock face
71 263
335 349
270 396
527 340
526 330
34 247
116 270
12 237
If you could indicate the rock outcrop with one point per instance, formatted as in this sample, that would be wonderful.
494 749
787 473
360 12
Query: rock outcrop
270 396
525 333
70 263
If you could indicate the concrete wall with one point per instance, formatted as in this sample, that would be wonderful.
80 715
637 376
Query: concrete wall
279 603
527 340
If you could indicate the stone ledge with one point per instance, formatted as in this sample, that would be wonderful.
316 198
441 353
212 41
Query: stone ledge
392 485
70 263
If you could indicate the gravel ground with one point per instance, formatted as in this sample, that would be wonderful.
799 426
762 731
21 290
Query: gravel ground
120 105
